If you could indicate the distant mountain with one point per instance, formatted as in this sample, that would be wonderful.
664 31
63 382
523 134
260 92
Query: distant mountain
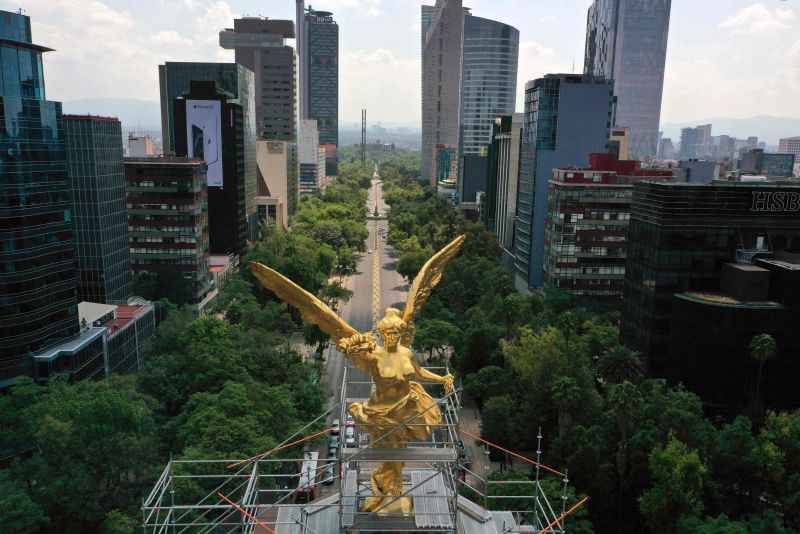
766 127
137 115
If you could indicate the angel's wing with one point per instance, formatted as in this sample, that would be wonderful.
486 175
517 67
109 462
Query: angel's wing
311 308
426 280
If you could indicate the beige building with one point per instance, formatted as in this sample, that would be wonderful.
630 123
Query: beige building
141 146
789 145
443 40
273 161
621 137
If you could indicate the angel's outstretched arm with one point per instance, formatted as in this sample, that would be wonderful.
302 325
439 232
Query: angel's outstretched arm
358 348
424 374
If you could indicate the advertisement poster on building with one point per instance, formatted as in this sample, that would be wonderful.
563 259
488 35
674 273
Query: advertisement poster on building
204 136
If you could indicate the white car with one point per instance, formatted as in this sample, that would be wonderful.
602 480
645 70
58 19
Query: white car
349 421
335 427
350 437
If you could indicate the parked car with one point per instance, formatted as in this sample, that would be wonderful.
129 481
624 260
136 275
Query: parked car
328 475
349 421
335 427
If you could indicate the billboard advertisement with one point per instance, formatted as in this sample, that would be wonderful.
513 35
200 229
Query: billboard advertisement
204 136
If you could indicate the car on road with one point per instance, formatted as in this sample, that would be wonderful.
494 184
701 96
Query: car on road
335 427
350 436
332 452
333 442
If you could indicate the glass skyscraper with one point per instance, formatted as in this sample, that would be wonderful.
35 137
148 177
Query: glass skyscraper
100 219
38 302
488 79
321 35
626 41
567 117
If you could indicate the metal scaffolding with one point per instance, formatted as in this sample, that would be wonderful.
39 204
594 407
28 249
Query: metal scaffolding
260 494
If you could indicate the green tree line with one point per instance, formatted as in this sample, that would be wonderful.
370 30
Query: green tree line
643 450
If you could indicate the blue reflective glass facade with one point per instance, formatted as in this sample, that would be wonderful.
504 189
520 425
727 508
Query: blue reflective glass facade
489 79
626 41
567 117
38 302
100 219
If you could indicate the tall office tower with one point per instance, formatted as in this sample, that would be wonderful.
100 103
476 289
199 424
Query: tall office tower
37 258
501 191
708 268
321 92
441 87
99 215
302 59
214 132
666 149
238 83
488 80
168 220
260 45
696 142
567 117
724 148
626 41
308 155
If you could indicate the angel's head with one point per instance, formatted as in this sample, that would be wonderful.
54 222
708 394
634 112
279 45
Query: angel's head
390 328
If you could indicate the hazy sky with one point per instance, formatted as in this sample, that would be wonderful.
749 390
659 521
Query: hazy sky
726 58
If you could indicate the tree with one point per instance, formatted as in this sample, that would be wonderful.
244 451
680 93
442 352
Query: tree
97 451
410 263
117 522
434 335
165 283
496 422
716 525
762 349
18 512
679 477
619 364
490 381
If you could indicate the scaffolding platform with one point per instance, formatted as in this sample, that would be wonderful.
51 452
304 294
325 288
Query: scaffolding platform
268 495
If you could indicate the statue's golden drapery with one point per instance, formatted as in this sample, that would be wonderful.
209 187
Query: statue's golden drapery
396 397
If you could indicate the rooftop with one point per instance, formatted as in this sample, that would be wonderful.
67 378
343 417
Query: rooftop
719 299
94 118
164 160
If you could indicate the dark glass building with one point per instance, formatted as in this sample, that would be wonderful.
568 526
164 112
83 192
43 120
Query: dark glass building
38 307
567 117
709 267
488 89
238 84
99 216
227 183
756 161
321 35
626 41
168 219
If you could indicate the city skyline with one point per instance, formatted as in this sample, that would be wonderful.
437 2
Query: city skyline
741 50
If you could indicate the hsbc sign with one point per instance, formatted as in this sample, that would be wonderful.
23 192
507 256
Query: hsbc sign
775 201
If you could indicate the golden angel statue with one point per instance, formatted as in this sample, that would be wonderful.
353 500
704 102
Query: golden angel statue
396 397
